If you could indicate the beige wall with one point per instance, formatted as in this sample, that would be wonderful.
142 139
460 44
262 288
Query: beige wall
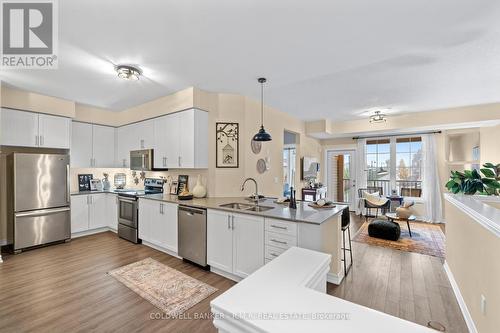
472 254
29 101
490 144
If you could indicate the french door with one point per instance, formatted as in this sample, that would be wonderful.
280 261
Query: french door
341 176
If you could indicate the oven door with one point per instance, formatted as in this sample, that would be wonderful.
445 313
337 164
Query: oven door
141 160
127 211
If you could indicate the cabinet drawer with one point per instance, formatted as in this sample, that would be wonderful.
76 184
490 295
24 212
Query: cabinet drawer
272 252
281 227
280 240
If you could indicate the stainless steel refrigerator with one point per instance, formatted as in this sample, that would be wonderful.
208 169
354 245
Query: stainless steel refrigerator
38 199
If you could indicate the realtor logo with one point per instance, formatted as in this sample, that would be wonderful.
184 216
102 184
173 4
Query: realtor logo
29 34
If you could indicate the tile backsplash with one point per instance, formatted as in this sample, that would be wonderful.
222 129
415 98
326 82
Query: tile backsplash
98 173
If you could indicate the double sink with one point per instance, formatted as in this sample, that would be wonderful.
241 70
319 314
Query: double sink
246 207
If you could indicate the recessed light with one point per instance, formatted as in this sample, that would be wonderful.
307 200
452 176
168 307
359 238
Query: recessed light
128 72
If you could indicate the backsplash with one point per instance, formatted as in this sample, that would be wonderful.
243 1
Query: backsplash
98 173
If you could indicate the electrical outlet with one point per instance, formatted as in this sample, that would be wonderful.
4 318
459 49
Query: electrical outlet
483 305
276 180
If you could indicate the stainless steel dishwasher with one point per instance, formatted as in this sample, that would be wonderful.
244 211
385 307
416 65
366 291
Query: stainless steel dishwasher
192 232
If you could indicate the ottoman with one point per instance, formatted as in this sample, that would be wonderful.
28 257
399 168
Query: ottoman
384 229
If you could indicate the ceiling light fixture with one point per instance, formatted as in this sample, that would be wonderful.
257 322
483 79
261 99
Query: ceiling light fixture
262 135
378 117
127 72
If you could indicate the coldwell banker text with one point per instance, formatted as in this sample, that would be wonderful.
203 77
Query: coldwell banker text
29 34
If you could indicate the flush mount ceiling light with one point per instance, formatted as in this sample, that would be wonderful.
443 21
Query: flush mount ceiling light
262 135
128 72
378 117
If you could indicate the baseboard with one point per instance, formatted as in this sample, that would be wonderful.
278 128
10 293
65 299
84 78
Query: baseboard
335 278
461 302
161 249
91 232
225 274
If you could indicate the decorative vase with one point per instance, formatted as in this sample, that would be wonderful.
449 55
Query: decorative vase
199 191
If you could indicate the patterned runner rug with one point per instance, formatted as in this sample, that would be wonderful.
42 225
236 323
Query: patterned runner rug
169 290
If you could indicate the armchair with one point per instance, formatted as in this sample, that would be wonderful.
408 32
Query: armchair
367 206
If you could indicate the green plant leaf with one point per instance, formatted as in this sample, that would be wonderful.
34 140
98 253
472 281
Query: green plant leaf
490 165
488 173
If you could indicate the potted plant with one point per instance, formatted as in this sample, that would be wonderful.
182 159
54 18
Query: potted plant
471 182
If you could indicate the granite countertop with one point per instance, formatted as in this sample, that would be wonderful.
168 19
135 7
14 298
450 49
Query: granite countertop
92 192
303 213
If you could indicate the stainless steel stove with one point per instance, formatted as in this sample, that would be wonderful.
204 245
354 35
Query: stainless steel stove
128 208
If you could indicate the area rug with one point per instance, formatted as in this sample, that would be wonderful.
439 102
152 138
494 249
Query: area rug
427 238
169 290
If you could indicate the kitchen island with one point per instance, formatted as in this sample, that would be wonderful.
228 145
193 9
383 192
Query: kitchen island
241 240
289 295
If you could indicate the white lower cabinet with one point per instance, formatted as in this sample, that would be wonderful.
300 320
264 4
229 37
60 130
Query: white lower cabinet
235 242
158 223
112 210
92 211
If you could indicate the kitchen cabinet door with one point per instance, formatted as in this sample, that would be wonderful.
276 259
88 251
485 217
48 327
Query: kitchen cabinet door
161 142
79 213
98 214
81 145
145 134
168 230
103 146
193 146
145 215
248 244
219 240
18 128
173 135
112 211
54 131
124 146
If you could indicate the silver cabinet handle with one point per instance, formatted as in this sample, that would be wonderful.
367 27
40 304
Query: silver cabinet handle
229 222
279 227
36 140
232 222
142 143
88 201
273 254
41 140
277 241
180 161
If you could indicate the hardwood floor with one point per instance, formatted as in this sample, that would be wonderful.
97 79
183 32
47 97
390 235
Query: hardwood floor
65 288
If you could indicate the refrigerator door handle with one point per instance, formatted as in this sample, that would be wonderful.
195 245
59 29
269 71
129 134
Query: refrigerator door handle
68 194
42 212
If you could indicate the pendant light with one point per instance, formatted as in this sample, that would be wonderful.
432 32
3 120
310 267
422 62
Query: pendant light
262 135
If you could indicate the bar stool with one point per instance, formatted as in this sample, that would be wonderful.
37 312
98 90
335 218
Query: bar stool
346 223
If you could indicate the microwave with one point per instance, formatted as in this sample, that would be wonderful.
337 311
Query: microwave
141 160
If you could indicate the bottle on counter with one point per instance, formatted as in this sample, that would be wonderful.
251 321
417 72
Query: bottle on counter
293 201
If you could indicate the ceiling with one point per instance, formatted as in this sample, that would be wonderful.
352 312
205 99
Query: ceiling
323 59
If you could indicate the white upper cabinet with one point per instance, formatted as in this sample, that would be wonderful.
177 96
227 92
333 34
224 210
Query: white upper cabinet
81 144
54 132
92 145
123 144
19 128
29 129
181 140
103 146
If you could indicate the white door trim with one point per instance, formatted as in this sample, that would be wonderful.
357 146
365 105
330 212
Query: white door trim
340 150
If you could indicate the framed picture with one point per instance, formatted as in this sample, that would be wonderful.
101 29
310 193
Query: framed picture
174 185
182 183
227 148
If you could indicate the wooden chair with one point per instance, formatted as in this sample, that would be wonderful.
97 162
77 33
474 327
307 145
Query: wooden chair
411 192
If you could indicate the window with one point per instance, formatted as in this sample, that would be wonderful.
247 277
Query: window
394 165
